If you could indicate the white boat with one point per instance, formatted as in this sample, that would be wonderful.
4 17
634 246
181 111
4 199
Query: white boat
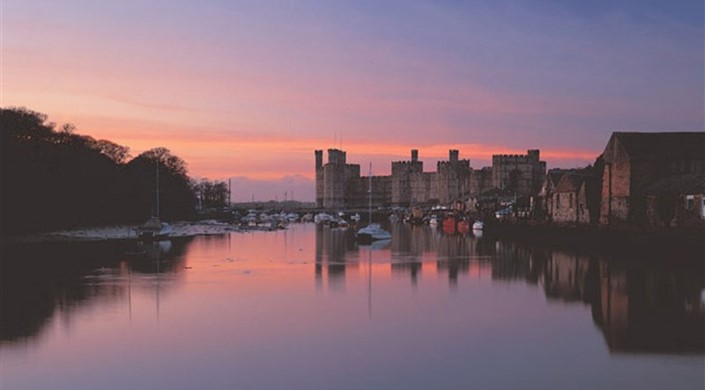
154 229
478 225
373 232
321 218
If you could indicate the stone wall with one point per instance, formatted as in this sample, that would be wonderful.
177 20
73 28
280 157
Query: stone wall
339 184
570 207
405 175
522 174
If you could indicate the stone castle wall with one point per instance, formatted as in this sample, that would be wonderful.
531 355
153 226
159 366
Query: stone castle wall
522 174
339 184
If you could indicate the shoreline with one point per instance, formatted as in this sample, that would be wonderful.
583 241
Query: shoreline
590 239
121 232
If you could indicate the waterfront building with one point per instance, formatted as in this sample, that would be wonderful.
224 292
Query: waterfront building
634 162
570 198
523 174
545 209
676 201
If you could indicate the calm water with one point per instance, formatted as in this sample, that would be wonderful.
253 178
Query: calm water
307 308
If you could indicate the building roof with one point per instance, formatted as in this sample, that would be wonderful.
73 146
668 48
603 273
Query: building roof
554 175
678 184
572 180
682 144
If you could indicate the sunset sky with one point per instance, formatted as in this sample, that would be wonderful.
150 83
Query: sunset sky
249 89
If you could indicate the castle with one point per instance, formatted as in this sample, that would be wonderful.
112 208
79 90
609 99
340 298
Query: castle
339 185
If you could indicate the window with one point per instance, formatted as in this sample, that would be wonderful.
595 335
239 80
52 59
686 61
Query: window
689 200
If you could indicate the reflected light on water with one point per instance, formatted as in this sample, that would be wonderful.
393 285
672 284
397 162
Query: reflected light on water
309 308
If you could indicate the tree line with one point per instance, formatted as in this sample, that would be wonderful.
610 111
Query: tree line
53 178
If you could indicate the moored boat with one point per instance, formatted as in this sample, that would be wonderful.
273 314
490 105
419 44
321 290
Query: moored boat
372 232
154 229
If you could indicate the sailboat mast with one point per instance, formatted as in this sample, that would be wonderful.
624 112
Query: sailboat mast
157 168
369 194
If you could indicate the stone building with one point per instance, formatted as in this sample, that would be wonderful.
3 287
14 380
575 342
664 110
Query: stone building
553 177
336 181
340 186
523 174
635 161
676 201
453 178
569 199
404 173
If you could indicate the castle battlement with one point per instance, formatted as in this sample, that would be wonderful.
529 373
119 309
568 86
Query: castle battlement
340 185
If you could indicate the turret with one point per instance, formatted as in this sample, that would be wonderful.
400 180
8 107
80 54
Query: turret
453 155
319 159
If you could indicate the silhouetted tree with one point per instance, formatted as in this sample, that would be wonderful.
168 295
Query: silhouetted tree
177 198
59 179
212 194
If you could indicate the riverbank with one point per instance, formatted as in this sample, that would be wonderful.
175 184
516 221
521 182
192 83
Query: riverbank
686 244
124 232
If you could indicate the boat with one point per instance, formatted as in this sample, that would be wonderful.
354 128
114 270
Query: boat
321 218
433 221
450 224
478 225
373 231
154 228
343 224
463 226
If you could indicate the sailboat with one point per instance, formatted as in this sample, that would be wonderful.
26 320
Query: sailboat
373 231
154 228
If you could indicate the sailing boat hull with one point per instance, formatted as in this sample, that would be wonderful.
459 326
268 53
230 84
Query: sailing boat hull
154 230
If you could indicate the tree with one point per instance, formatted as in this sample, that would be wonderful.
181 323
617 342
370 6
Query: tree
176 195
212 194
113 151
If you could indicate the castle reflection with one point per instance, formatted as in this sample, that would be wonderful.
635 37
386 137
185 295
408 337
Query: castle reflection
640 305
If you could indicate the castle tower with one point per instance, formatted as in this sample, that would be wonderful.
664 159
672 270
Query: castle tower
453 156
319 178
403 175
522 174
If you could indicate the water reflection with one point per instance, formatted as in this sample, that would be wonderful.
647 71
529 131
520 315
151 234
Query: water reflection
640 305
43 281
